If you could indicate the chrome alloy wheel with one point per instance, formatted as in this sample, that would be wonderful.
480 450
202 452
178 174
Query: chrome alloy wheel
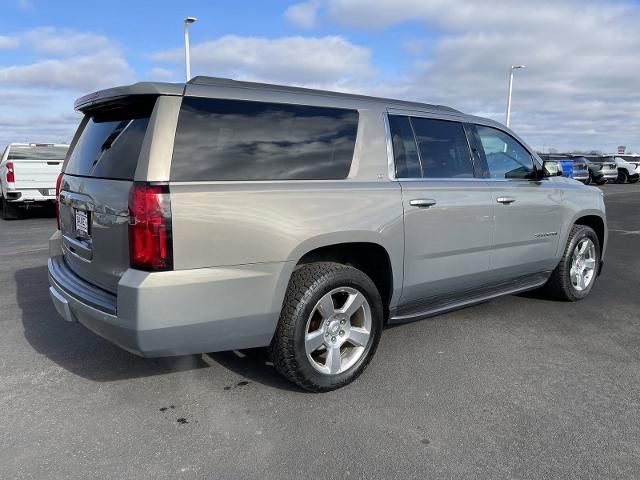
583 264
338 331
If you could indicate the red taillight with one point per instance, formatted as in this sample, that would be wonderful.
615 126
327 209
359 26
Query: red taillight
58 183
150 242
11 175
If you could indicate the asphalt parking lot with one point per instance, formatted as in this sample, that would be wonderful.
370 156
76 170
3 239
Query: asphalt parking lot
519 387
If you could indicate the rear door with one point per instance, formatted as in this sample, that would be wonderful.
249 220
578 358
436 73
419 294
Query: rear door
447 210
527 212
95 190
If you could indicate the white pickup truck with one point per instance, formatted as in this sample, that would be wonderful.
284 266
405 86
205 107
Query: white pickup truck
28 175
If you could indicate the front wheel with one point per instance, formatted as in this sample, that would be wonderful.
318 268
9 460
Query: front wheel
622 177
577 271
634 180
329 327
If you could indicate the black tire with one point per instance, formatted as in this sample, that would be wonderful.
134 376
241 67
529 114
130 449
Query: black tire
622 177
559 284
308 284
588 180
7 210
602 181
633 180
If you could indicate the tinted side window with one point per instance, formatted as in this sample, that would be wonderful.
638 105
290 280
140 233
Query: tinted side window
505 156
108 149
443 147
241 140
405 150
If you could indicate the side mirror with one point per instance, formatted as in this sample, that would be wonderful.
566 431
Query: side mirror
551 168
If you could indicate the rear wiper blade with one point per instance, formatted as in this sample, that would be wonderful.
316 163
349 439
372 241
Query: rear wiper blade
110 140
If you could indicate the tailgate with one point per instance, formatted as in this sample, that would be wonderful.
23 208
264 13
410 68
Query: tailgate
41 174
94 193
94 221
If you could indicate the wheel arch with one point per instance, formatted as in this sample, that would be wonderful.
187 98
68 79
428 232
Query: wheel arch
368 252
597 223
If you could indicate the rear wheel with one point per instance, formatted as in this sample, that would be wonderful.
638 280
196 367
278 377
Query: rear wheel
634 180
7 210
622 177
588 180
329 326
576 273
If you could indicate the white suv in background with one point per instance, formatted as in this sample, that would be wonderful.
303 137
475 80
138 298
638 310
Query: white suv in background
628 167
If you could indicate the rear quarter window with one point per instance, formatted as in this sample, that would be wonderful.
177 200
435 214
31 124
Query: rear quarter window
243 140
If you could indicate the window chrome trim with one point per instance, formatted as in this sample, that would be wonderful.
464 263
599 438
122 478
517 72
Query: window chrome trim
391 167
415 141
441 180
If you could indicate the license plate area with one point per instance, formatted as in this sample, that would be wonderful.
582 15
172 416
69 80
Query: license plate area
82 224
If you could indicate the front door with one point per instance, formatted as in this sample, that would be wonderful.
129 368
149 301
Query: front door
527 212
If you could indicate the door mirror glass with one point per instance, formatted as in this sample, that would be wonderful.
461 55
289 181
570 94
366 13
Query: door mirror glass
551 168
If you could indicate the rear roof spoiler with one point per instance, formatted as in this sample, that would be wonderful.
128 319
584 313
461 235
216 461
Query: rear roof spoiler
87 102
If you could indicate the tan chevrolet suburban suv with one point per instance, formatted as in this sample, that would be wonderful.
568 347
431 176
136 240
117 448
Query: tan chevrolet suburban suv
219 215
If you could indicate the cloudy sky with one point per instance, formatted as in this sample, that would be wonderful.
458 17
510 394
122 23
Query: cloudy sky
580 90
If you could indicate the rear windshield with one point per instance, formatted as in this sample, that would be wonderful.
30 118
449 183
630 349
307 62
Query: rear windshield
110 144
47 152
242 140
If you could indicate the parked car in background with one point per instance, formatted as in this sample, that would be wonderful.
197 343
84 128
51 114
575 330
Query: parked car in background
628 171
608 167
219 215
581 170
28 174
631 158
595 172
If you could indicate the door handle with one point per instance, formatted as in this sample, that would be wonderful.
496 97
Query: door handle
505 200
422 202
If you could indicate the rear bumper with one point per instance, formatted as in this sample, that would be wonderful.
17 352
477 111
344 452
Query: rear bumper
178 312
29 195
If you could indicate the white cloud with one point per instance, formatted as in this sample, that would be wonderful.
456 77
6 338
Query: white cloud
303 15
324 61
77 61
25 4
581 85
81 73
26 117
8 42
37 95
162 74
57 42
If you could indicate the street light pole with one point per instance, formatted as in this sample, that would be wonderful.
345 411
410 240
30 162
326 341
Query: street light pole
187 53
513 67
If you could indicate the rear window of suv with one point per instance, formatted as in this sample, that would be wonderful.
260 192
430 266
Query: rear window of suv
243 140
110 143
